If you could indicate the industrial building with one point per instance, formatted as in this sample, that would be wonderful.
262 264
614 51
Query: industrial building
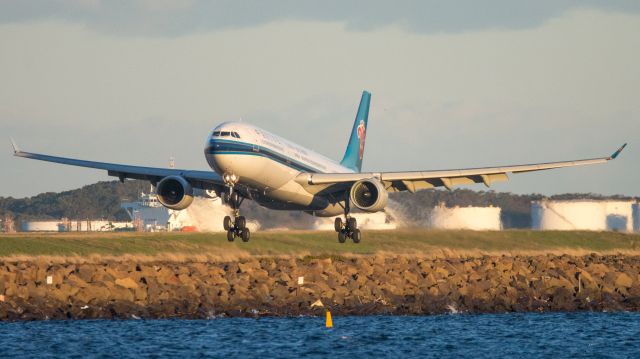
474 218
204 214
66 225
591 215
147 213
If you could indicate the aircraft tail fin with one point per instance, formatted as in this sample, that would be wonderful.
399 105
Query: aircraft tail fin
355 149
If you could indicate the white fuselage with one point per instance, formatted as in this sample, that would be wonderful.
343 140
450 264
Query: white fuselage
269 165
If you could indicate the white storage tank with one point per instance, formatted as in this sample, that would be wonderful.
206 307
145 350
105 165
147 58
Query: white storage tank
591 215
41 226
369 221
475 218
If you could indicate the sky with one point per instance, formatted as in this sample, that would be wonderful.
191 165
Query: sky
454 84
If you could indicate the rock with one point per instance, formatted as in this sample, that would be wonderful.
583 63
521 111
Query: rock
597 269
248 267
76 281
586 278
127 283
410 277
102 293
554 283
167 277
119 293
36 291
115 272
268 264
280 292
85 272
623 280
360 285
217 280
100 275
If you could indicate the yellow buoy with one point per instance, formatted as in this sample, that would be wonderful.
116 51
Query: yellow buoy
329 322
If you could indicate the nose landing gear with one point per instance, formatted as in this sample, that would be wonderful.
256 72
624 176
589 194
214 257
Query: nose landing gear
238 226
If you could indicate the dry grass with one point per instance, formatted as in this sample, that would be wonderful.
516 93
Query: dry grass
206 247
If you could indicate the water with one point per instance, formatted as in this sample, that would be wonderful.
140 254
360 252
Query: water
611 335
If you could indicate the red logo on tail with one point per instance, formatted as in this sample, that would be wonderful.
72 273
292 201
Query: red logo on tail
362 133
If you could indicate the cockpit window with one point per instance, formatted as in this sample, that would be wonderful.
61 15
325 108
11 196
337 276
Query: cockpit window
225 134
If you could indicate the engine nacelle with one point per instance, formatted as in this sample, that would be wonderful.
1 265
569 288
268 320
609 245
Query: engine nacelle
369 195
174 192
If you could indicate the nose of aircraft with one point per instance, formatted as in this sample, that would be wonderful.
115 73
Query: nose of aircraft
211 148
219 140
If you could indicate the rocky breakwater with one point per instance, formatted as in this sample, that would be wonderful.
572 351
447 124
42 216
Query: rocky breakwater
358 286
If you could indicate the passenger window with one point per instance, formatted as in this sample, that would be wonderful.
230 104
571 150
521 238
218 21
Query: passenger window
224 133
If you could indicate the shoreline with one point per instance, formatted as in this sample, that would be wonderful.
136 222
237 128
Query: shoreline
360 285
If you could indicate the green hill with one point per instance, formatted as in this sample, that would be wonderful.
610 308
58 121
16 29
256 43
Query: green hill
99 200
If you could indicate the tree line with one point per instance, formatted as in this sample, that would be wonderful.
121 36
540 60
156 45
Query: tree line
102 201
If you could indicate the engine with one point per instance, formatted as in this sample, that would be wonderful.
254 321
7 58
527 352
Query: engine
369 195
174 192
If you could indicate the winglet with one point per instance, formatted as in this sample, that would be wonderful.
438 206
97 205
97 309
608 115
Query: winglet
615 154
16 149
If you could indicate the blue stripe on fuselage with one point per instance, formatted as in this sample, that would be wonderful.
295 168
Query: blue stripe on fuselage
221 147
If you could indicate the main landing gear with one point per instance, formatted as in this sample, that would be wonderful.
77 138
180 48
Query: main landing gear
348 228
236 227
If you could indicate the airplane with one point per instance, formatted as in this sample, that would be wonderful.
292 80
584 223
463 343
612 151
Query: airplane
248 162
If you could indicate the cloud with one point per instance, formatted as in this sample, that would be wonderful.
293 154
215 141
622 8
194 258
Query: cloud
563 90
182 17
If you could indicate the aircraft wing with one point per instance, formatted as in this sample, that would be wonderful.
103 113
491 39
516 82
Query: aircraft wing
418 180
198 179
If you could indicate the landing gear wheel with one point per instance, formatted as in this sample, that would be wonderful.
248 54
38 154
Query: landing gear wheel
241 222
231 235
342 237
352 224
337 225
356 236
226 223
245 235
